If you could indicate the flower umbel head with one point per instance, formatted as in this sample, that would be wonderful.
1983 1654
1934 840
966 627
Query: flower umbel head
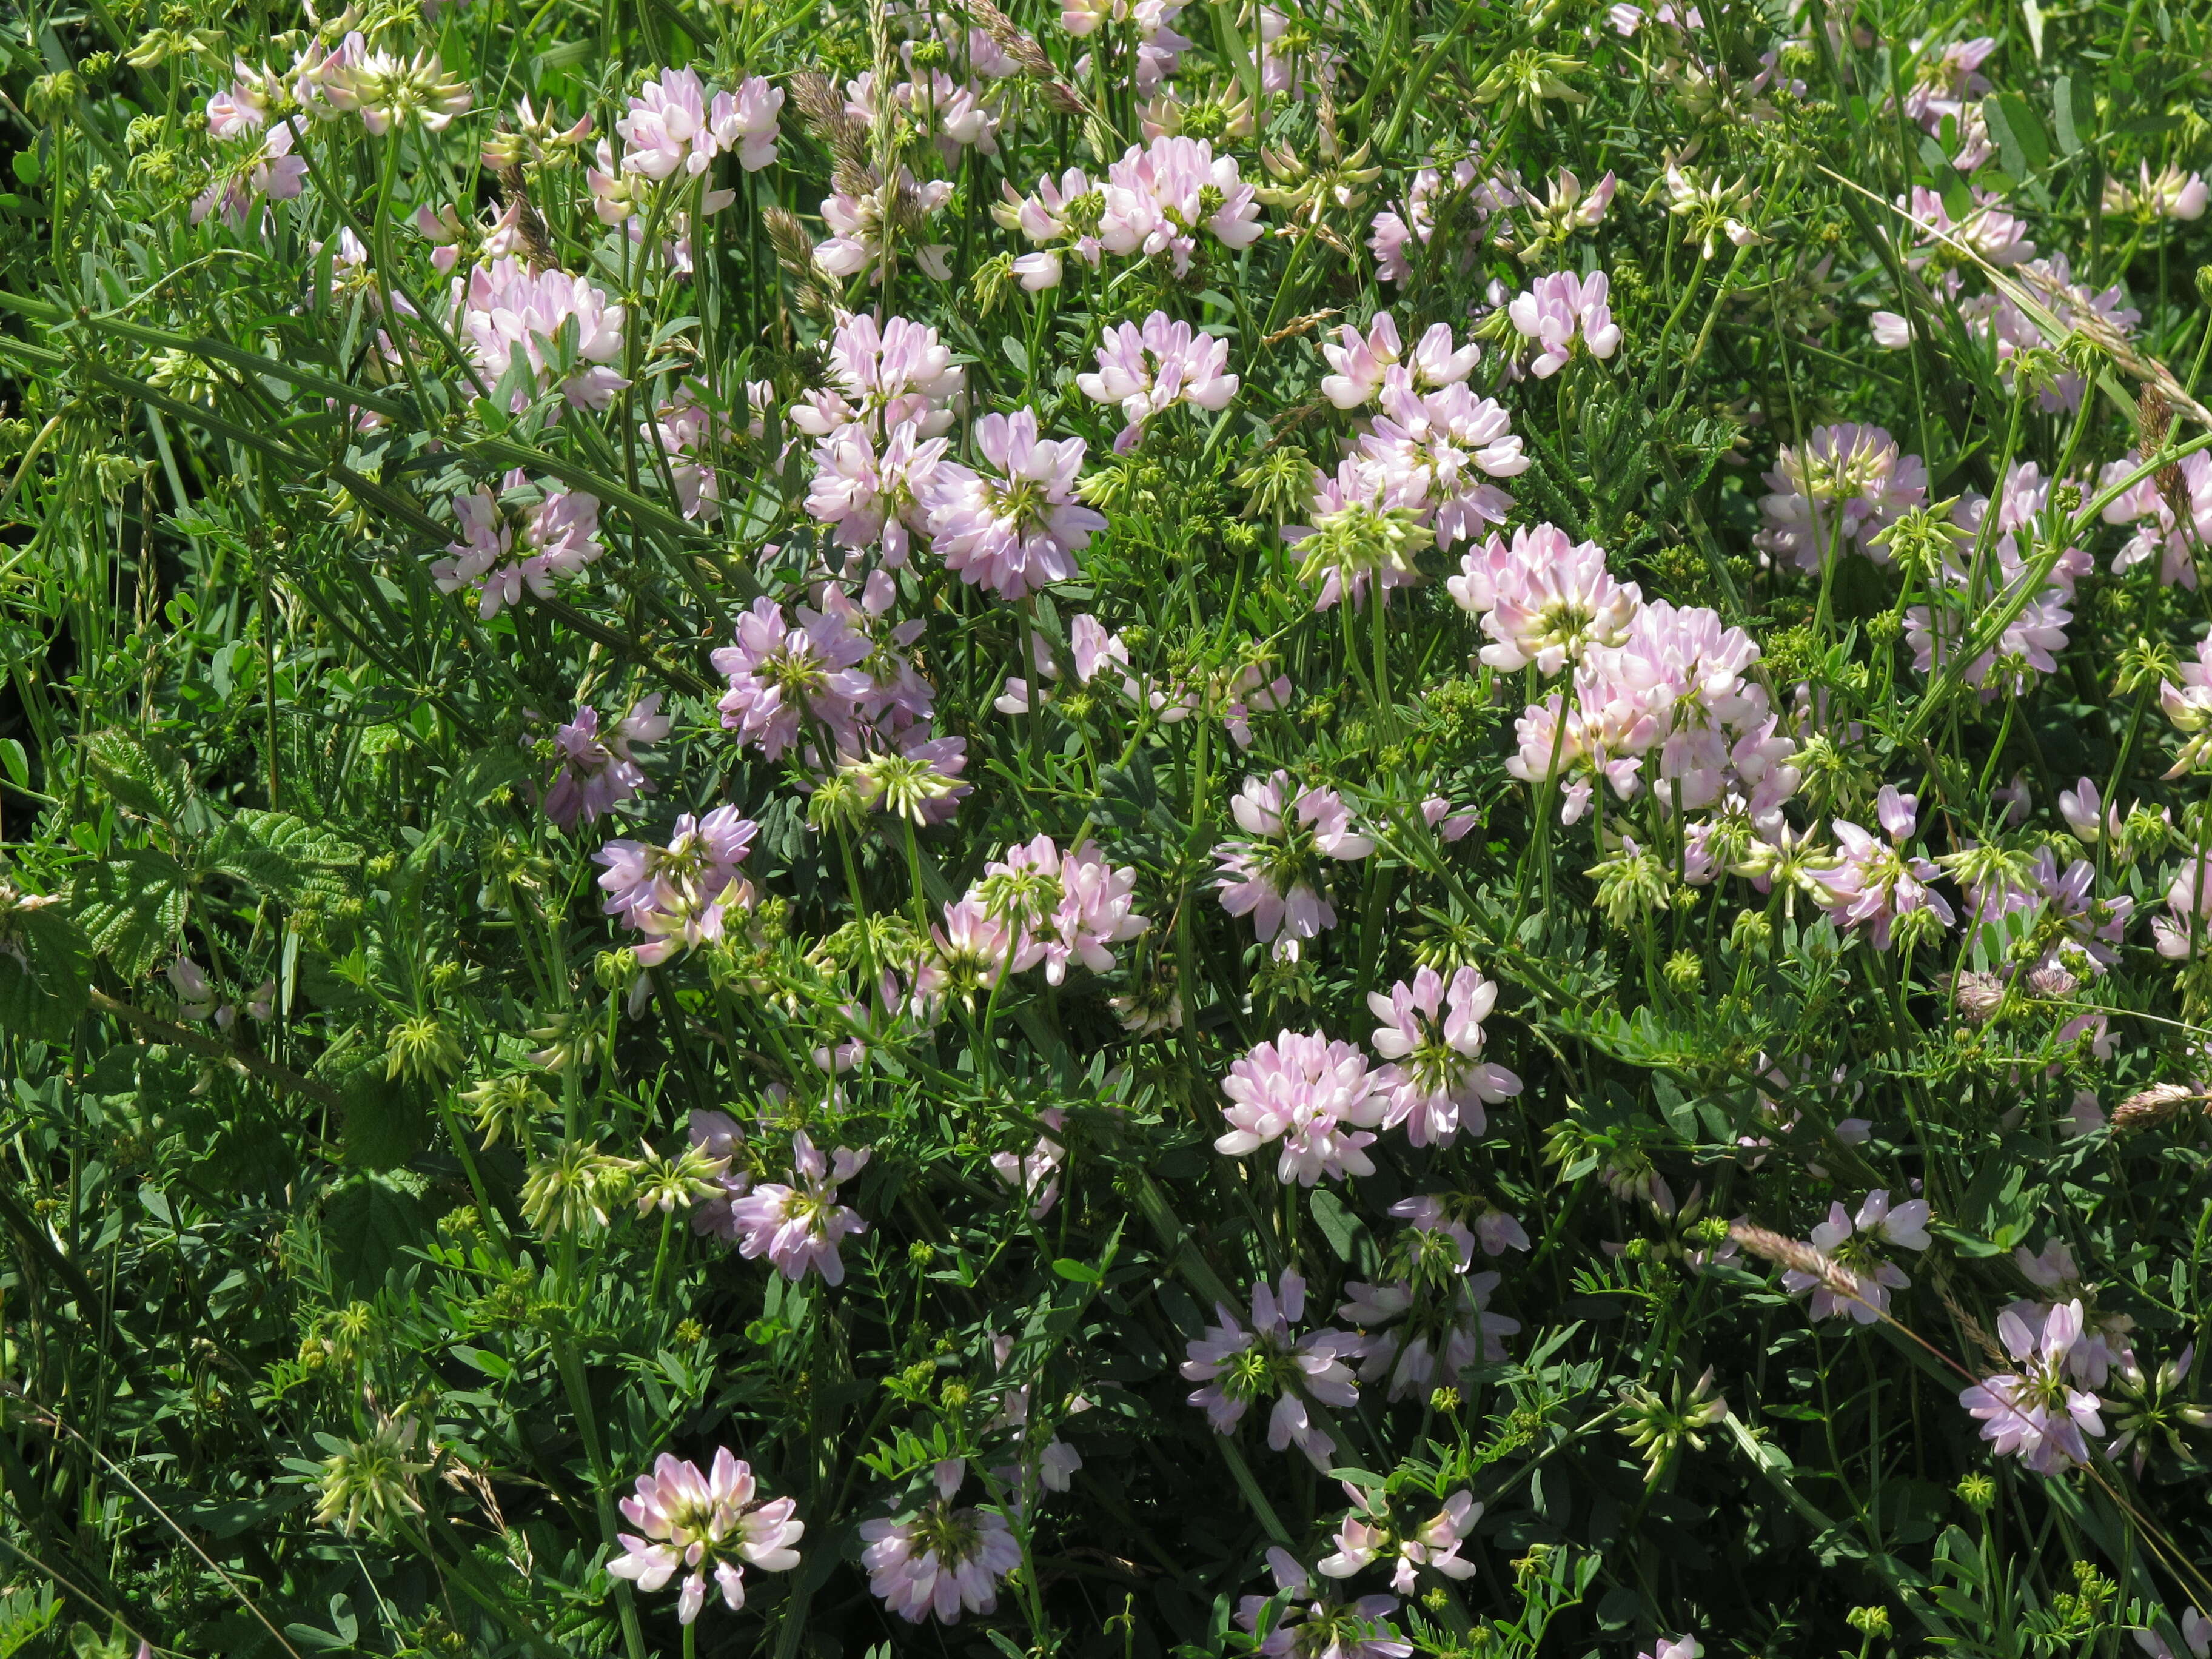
697 1525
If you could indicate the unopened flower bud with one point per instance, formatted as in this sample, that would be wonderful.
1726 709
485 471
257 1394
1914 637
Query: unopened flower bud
420 1047
1916 928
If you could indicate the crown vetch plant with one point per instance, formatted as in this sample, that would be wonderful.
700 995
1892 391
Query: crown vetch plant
1103 830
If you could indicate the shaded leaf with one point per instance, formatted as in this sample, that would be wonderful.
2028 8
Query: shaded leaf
369 1221
43 992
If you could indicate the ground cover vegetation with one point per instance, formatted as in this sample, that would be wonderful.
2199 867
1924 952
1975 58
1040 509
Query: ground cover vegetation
1347 828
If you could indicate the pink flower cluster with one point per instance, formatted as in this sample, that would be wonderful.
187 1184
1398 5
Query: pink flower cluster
1370 1533
1433 1316
1155 202
675 125
1675 690
1160 196
1853 1244
688 432
878 424
788 677
1061 908
1986 231
1420 471
2181 933
956 117
875 492
1874 882
694 1523
678 896
1395 238
2010 330
598 774
1367 366
1959 594
941 1561
1543 600
2034 1411
1320 1629
500 552
510 316
1950 87
1158 46
1303 1090
2084 930
856 242
881 377
881 473
1015 525
798 1224
1843 486
1436 1082
1557 308
1061 216
1091 651
1240 1367
1036 1173
1274 875
266 168
842 672
1150 370
2158 530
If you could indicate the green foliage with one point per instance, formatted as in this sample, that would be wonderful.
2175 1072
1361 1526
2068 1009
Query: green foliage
368 1199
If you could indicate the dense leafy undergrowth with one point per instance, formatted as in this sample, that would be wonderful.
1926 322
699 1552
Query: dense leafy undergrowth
1349 830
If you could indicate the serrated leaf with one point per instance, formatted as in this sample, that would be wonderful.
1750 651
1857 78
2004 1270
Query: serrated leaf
488 771
43 994
386 1122
132 907
136 779
369 1221
281 854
